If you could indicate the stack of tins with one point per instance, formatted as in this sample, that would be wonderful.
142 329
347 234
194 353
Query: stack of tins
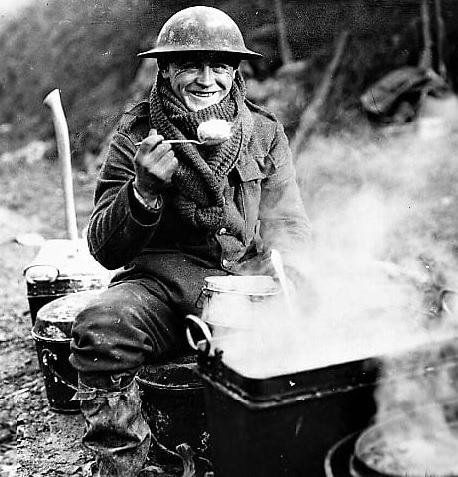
61 268
52 335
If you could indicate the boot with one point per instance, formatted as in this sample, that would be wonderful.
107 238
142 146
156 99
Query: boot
115 428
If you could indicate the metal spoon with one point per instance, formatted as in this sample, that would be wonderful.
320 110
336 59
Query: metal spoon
182 141
277 263
193 141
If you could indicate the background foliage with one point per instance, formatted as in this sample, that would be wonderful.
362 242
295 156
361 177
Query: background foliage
87 49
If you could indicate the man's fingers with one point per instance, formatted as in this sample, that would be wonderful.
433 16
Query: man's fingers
163 149
150 151
151 140
167 165
169 159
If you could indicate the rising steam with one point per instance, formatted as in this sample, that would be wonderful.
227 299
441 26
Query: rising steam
384 214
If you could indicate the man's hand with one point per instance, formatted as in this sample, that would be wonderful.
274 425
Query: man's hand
155 163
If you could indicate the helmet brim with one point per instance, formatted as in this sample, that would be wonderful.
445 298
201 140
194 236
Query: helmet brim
163 52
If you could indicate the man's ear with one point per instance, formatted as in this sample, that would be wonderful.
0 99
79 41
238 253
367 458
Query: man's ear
163 67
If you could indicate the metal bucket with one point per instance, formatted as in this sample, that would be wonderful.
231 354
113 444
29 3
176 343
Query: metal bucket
52 335
232 305
377 455
237 302
60 268
174 405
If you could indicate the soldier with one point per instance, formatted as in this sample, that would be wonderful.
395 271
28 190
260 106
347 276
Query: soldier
167 216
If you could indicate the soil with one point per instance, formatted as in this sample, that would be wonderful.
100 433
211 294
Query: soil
34 440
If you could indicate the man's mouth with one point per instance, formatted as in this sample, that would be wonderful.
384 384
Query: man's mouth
203 94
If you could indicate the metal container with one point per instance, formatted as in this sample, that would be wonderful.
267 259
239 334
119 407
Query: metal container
285 425
390 448
233 305
62 267
237 302
174 405
52 335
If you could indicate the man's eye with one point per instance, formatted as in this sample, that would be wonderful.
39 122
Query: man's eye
190 66
220 67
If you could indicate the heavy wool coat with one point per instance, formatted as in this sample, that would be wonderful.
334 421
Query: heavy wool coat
262 187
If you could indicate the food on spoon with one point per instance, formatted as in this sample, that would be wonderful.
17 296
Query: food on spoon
214 131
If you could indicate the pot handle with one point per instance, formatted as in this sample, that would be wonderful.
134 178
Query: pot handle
443 301
193 321
204 293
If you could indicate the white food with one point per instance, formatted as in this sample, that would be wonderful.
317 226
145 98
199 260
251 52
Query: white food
214 130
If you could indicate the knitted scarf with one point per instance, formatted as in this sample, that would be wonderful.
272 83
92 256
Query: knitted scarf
201 178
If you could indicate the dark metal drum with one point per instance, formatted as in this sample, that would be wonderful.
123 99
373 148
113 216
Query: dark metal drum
52 335
173 402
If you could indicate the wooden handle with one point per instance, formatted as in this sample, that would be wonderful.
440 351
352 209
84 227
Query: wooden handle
53 102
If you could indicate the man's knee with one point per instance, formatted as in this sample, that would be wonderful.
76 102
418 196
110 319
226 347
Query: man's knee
108 337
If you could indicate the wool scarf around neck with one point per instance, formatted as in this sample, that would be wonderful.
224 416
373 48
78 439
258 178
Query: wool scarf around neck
202 173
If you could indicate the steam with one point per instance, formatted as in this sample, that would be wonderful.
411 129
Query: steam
384 213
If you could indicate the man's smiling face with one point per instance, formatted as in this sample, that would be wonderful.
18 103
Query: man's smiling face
200 81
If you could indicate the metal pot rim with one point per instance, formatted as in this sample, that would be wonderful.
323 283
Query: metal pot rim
365 438
222 284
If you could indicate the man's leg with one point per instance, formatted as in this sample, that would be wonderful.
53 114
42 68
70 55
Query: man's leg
112 339
115 428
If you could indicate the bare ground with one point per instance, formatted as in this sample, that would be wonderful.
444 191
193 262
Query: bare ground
34 440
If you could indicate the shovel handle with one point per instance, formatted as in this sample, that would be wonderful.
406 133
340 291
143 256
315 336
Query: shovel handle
53 102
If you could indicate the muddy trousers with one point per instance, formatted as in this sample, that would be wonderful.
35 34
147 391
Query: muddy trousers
115 428
136 321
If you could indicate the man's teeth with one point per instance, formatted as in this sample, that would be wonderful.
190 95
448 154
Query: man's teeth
202 94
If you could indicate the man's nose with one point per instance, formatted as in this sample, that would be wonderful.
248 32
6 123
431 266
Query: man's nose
206 76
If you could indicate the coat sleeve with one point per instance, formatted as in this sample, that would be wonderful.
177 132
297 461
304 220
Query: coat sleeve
118 228
284 224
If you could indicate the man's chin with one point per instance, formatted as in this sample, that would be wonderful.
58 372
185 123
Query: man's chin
196 104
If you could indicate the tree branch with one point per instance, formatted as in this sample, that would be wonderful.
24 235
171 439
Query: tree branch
285 50
311 114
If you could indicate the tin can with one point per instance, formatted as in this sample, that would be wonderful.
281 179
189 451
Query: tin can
231 303
62 267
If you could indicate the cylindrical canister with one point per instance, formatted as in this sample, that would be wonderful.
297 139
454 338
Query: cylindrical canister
174 406
52 335
234 303
60 268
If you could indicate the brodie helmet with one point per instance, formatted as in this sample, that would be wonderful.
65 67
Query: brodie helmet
200 29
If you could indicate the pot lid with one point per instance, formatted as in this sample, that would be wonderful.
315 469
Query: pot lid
54 320
179 374
60 258
246 284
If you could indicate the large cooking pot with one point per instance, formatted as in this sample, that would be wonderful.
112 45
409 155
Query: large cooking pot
388 449
233 304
